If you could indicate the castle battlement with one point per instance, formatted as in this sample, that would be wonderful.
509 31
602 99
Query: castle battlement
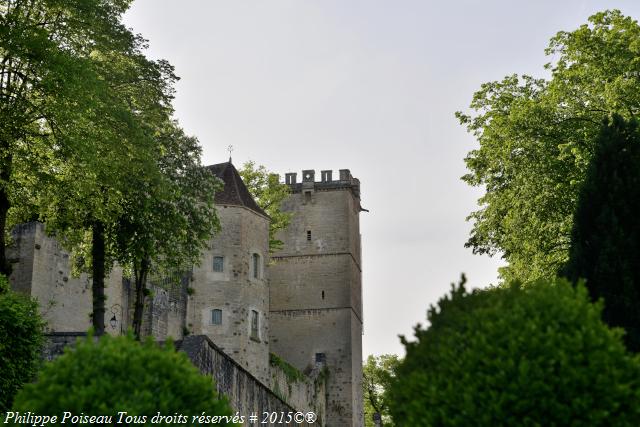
326 183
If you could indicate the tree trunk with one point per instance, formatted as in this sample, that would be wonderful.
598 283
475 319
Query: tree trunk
141 286
98 268
5 175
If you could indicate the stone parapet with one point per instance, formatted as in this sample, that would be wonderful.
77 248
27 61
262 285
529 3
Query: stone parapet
246 393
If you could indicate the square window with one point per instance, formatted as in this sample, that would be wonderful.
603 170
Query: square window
218 264
216 317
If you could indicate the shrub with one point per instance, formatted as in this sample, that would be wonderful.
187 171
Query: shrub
121 374
20 342
517 356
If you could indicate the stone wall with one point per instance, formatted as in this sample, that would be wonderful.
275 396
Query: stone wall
55 343
165 310
42 269
246 393
303 392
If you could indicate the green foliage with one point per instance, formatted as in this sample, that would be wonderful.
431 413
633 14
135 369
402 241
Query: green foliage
535 355
81 106
20 342
605 242
377 374
290 371
168 219
269 193
536 138
89 147
120 374
68 106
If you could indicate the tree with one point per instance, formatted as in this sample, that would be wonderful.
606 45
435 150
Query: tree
143 90
536 138
517 355
52 91
20 342
377 374
166 223
120 374
269 193
78 98
605 241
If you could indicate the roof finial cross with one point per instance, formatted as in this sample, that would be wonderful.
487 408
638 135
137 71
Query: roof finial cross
230 149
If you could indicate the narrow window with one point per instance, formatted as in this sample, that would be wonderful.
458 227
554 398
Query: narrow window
256 266
254 324
218 264
322 294
307 196
216 317
308 235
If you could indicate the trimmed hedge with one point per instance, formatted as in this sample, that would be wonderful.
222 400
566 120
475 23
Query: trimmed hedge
110 375
537 355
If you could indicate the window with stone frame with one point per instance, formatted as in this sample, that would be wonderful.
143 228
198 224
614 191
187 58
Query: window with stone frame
216 316
255 324
255 260
218 264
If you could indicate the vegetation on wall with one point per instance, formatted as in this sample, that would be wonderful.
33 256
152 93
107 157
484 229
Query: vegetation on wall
20 342
290 371
517 355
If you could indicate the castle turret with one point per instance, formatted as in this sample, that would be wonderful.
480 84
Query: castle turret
315 288
230 294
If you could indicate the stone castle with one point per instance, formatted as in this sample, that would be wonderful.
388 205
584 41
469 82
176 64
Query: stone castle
277 332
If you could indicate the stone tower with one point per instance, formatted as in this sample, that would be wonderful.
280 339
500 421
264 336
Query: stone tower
316 292
229 299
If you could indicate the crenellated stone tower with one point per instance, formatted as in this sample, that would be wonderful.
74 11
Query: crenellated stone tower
316 291
229 299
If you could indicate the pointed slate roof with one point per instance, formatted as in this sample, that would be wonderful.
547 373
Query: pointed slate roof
235 192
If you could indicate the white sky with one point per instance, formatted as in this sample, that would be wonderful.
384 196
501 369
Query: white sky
371 86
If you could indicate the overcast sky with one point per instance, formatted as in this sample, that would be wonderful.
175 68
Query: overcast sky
370 86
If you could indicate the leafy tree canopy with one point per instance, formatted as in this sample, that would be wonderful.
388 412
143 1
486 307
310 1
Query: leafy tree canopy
535 355
85 115
62 98
167 221
269 193
537 136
